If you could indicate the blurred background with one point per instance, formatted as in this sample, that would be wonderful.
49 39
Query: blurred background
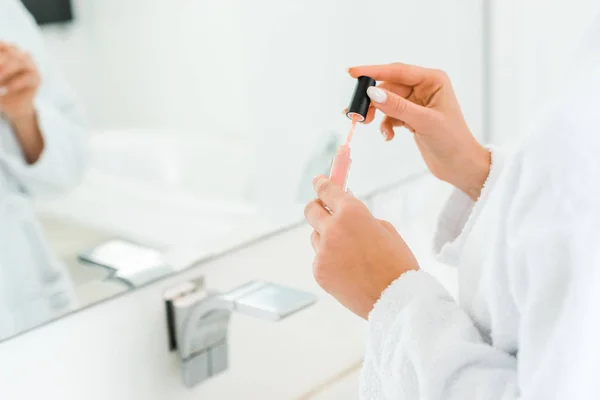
206 122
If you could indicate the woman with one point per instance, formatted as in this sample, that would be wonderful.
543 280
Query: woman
523 229
41 153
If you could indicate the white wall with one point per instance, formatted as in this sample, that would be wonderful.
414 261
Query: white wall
153 64
302 88
272 71
532 46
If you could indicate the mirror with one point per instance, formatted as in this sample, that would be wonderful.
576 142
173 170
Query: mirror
175 131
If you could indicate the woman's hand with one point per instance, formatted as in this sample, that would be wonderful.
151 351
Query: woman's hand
423 101
19 82
357 255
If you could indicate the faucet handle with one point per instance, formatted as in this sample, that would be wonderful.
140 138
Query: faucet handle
206 363
268 301
198 320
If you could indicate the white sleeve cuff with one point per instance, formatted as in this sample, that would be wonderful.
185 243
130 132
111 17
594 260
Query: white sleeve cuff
420 344
412 286
460 213
60 165
382 341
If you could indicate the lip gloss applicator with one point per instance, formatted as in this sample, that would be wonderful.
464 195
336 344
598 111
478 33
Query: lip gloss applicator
357 112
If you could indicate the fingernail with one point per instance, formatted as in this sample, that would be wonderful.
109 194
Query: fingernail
3 91
348 70
384 133
318 179
376 94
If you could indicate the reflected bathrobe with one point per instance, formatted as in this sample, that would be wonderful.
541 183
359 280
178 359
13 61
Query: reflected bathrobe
527 321
34 285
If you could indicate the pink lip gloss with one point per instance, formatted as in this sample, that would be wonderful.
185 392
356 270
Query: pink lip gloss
357 112
341 163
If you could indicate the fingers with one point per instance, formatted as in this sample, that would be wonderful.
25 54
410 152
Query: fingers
388 124
387 226
405 74
332 195
9 69
401 90
21 82
14 62
315 240
387 127
370 115
5 48
401 109
316 215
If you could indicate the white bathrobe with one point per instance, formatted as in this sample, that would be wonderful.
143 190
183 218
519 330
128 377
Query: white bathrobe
34 285
527 321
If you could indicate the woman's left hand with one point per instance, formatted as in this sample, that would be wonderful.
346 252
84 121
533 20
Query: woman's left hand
357 255
19 82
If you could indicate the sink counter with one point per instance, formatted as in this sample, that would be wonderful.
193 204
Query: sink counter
68 238
118 349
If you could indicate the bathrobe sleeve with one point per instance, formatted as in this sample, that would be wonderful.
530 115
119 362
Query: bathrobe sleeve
460 213
543 217
421 345
60 119
418 338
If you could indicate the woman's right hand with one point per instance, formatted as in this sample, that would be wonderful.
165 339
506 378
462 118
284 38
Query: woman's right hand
423 101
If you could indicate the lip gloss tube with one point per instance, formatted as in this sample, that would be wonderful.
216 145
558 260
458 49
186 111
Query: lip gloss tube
341 166
359 105
357 112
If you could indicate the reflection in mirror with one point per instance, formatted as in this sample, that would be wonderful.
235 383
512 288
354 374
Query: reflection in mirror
140 138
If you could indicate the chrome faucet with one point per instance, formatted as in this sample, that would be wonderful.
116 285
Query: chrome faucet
198 321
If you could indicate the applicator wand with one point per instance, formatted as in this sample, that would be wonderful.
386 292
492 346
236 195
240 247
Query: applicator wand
357 112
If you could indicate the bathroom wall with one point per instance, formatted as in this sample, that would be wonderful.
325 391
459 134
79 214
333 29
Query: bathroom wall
269 71
532 44
530 48
152 64
188 56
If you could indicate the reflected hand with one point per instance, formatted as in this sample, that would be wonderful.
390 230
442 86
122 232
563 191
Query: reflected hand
19 82
357 255
424 101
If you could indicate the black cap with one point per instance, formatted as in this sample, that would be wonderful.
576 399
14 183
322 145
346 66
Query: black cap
360 101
